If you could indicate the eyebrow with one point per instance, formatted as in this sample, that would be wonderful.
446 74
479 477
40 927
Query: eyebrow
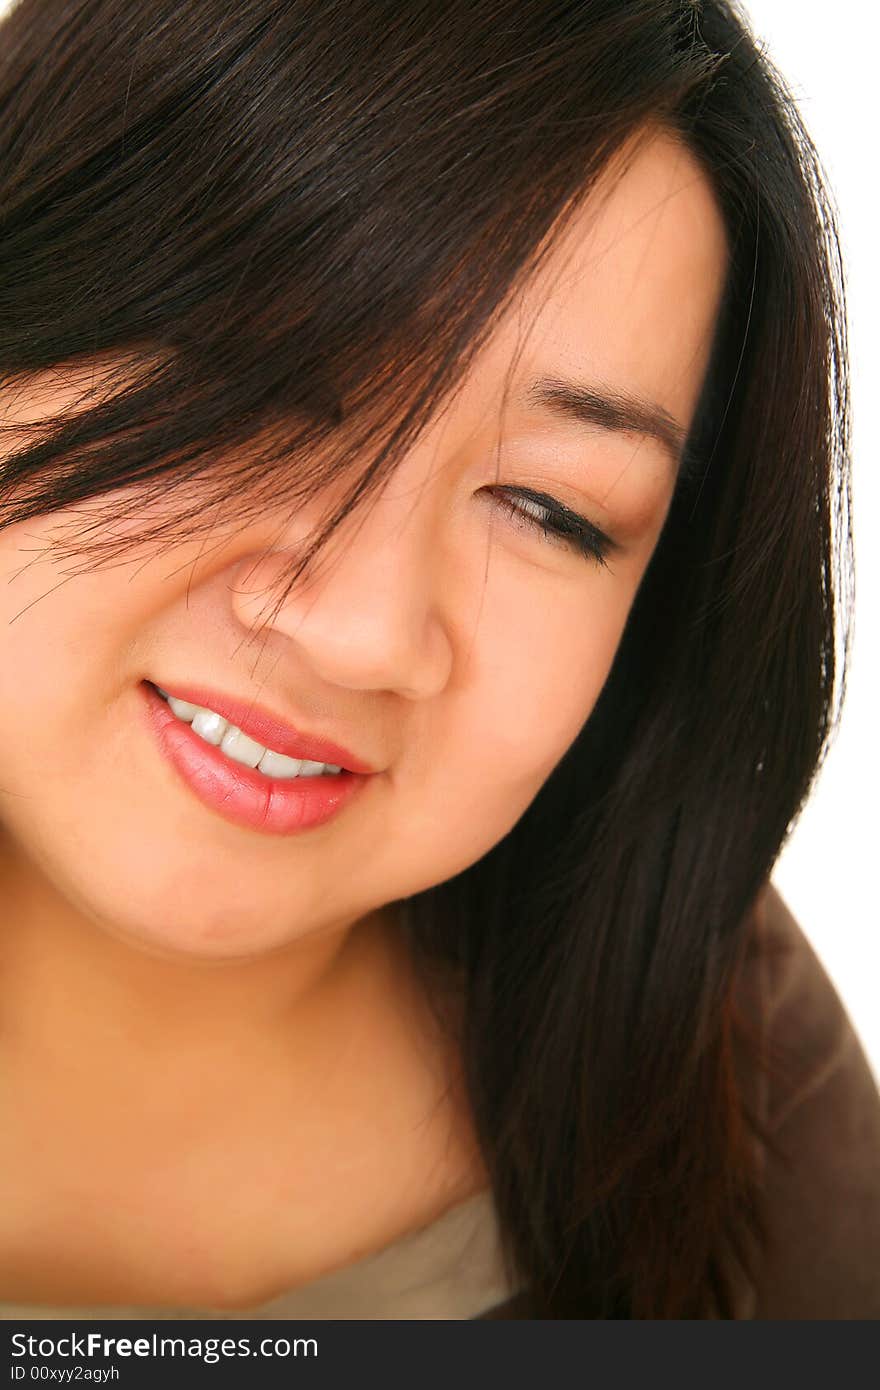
614 410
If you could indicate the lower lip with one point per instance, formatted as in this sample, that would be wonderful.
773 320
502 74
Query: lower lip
273 805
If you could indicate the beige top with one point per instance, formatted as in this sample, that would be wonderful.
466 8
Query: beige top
823 1203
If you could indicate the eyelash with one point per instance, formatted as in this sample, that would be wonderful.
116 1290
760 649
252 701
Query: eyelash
561 523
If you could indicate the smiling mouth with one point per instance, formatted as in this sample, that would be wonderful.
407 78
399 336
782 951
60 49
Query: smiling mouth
258 730
239 747
233 775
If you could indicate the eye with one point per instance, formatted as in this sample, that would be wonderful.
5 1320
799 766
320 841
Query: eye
558 523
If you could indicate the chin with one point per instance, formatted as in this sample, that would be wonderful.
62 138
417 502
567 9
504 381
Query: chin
197 940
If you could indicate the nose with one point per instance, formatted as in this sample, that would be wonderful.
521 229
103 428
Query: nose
371 612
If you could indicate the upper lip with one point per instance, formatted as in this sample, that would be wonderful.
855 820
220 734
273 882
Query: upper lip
267 728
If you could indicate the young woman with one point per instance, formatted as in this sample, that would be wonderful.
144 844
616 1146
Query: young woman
423 535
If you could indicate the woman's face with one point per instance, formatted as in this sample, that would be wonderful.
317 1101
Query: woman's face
455 649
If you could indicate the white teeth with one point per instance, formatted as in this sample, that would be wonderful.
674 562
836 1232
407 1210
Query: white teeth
279 765
209 726
181 708
214 729
238 746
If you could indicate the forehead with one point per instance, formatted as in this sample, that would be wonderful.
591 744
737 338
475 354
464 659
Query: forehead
628 295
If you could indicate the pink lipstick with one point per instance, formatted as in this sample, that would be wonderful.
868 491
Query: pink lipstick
243 795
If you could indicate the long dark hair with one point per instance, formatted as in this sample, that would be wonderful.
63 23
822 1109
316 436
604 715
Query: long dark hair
286 230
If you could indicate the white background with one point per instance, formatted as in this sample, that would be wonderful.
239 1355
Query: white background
827 53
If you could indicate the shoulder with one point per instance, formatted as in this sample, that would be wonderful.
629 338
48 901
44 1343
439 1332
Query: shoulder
819 1111
809 1086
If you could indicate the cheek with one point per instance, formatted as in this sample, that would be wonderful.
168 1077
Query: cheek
68 644
39 631
55 625
535 672
544 677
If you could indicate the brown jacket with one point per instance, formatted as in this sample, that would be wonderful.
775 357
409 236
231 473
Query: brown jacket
822 1105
